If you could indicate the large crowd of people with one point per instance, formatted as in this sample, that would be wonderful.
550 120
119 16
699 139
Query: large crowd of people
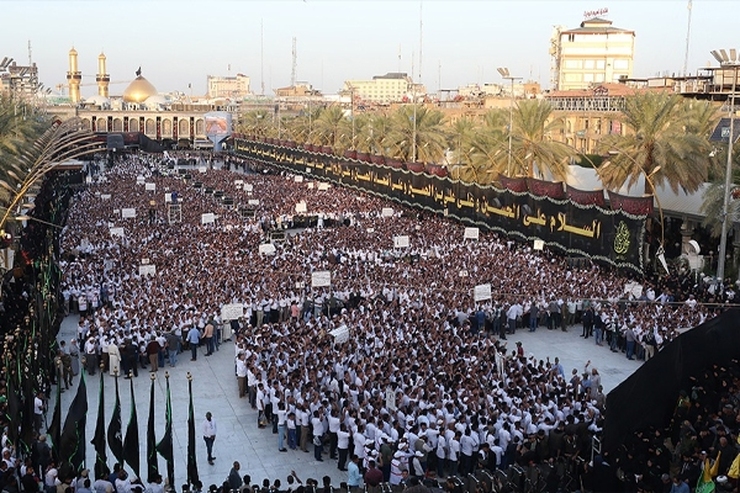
391 369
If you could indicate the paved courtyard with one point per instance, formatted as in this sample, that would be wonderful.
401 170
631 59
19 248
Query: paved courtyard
238 438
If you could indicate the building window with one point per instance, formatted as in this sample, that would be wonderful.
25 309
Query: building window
573 64
621 64
600 64
589 64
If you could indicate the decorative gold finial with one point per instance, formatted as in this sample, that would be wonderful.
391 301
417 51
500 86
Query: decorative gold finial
152 376
190 377
167 374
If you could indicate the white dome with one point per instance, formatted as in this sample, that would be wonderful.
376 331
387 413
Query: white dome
155 101
97 100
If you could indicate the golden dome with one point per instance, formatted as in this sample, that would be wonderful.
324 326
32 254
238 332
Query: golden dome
139 90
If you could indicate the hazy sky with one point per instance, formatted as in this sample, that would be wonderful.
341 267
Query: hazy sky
180 42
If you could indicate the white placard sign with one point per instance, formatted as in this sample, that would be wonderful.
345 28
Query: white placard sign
140 180
634 289
323 187
301 207
320 278
148 270
401 241
144 261
386 212
116 211
298 179
539 244
463 273
248 187
267 249
232 311
168 197
253 202
238 182
117 232
471 233
127 213
105 196
201 169
482 292
207 218
341 334
151 187
310 185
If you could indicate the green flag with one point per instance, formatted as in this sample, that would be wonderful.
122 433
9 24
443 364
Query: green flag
101 459
192 459
131 440
115 440
164 447
72 442
152 467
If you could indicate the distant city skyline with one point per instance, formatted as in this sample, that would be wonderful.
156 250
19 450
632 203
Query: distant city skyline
178 44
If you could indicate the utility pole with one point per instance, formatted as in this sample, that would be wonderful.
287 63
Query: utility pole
295 63
262 57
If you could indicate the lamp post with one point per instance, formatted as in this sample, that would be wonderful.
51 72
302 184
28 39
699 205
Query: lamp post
727 62
25 217
504 71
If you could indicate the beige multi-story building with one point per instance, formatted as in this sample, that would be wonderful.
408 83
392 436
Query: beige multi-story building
19 80
393 87
592 54
236 87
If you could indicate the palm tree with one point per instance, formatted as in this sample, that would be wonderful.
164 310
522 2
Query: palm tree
258 123
331 126
531 146
429 134
60 142
489 146
667 142
376 134
714 195
460 139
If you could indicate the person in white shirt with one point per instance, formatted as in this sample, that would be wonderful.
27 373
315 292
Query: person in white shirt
209 435
241 374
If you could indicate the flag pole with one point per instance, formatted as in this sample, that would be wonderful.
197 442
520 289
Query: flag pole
192 460
151 441
101 459
164 447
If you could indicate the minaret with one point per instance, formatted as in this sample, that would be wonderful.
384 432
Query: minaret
102 78
74 77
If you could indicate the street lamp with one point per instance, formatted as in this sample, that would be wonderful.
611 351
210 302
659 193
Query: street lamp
504 71
25 217
727 61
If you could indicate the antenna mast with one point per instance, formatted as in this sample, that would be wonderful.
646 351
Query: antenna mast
262 57
688 39
29 53
421 39
295 63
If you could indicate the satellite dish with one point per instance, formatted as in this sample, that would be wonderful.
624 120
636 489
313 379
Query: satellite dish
694 247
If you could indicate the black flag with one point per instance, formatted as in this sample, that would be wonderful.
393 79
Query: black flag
164 447
72 442
192 460
115 440
152 467
131 440
13 412
101 459
55 430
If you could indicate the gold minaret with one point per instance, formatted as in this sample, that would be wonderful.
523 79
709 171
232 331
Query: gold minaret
74 77
102 78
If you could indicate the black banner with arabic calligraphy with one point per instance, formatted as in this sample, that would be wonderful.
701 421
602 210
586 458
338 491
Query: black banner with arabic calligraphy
606 236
